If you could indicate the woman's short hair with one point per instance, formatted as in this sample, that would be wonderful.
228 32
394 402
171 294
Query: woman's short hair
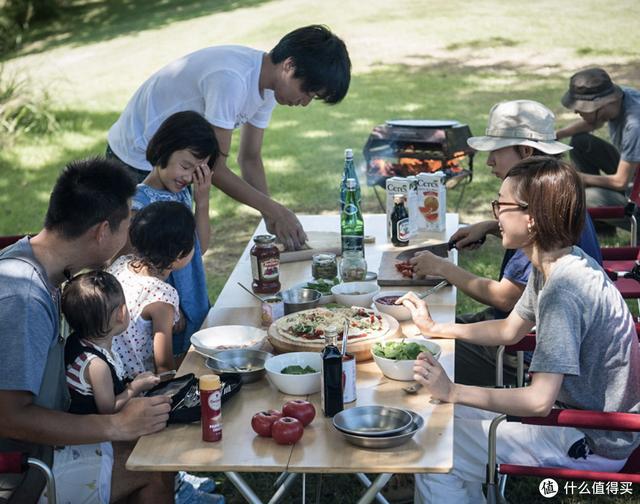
321 61
161 233
554 193
89 300
186 130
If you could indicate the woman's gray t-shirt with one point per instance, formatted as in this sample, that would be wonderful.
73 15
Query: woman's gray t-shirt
585 331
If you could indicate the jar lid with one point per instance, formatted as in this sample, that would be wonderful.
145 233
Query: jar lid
324 257
209 382
264 239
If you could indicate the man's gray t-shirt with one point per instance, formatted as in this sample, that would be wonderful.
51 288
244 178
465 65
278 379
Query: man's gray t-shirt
29 328
624 130
585 331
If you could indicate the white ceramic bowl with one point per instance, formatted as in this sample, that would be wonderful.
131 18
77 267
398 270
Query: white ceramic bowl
398 312
403 369
355 293
227 337
295 384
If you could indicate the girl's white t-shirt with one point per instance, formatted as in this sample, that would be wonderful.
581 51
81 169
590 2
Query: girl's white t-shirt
135 345
221 83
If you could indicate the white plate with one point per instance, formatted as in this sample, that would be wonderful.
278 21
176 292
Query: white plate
325 299
423 123
214 339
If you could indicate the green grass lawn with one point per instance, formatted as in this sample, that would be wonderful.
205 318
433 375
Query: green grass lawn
411 59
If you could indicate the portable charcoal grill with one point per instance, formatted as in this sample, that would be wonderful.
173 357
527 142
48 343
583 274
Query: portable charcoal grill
401 148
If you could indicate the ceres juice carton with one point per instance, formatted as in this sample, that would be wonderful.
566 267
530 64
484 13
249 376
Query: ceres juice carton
407 187
431 194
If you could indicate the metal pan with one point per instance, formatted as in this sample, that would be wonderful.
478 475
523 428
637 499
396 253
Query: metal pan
391 441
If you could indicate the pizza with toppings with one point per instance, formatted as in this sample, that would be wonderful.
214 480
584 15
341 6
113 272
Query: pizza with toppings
310 325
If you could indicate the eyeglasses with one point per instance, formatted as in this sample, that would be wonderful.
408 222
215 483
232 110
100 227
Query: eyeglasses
495 206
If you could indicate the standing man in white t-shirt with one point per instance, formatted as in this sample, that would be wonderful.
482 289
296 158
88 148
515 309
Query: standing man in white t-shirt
237 87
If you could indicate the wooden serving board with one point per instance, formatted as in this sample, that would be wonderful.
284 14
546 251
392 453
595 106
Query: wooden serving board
361 349
388 275
317 242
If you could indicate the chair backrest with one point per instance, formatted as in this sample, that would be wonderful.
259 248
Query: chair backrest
5 241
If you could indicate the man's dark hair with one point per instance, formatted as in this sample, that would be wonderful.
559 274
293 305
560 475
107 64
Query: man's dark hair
89 301
554 193
161 233
86 193
321 61
186 130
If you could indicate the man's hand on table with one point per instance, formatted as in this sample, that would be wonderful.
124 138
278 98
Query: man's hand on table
283 223
141 416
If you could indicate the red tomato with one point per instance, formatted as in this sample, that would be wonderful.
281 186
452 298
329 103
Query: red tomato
263 421
302 410
287 430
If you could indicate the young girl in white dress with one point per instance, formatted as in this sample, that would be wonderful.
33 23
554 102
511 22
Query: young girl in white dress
162 235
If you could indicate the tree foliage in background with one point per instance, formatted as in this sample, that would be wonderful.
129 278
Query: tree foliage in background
17 15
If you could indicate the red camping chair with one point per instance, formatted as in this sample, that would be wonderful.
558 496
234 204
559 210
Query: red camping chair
18 463
558 418
622 212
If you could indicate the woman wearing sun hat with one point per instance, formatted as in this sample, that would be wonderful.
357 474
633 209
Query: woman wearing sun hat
517 130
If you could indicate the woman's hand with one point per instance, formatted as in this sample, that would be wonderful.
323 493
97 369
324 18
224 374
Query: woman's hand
144 381
428 371
427 264
202 183
419 311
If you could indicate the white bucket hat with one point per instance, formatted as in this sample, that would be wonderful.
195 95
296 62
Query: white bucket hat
520 122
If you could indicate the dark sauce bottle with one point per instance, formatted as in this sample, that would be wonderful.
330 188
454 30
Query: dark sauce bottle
331 375
399 222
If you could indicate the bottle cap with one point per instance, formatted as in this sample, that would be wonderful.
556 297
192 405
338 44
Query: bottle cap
348 153
351 183
209 382
398 198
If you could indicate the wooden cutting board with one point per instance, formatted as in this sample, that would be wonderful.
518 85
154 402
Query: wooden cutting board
389 276
361 350
317 242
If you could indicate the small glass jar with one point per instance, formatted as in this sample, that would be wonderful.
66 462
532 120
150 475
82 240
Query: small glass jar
353 267
265 265
324 266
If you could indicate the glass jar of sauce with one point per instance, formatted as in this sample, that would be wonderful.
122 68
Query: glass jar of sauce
353 266
324 266
265 265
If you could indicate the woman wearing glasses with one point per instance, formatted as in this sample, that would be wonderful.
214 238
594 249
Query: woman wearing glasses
517 130
586 356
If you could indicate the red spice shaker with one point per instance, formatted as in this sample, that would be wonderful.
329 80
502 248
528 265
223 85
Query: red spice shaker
210 407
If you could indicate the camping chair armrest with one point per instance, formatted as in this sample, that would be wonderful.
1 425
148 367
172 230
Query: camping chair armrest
607 212
526 344
584 419
620 253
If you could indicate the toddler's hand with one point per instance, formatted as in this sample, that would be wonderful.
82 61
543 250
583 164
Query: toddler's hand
144 381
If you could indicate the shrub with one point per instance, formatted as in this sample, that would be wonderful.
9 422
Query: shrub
16 16
22 109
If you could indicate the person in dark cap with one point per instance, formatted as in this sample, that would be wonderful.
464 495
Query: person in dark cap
607 168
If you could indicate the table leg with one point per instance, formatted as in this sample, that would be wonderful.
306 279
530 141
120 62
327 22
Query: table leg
376 485
284 488
243 488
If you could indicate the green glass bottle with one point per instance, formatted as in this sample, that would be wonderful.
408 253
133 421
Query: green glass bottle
351 221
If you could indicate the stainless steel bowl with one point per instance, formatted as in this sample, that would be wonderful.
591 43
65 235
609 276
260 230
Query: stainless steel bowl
298 299
391 441
372 421
246 363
